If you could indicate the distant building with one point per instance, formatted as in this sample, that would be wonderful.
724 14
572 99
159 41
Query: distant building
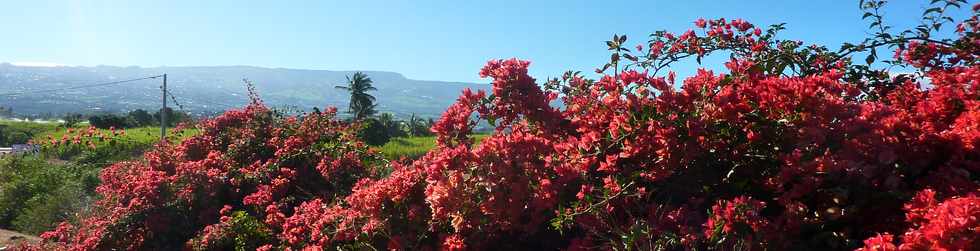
19 149
24 148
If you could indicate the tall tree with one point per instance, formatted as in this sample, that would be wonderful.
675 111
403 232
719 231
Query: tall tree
142 117
361 103
415 126
71 119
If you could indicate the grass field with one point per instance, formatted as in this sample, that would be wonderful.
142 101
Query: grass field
29 126
19 132
413 147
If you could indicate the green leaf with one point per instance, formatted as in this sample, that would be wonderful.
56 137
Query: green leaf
604 67
922 30
630 57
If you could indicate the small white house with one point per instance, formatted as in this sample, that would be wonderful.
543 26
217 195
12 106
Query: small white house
19 149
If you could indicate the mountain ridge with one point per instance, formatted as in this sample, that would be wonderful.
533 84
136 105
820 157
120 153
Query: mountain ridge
209 89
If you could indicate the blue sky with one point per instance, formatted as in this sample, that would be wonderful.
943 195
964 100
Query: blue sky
431 40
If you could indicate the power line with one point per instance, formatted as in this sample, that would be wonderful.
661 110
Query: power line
172 98
205 101
78 87
192 101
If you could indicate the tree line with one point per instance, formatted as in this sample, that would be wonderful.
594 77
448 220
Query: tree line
135 118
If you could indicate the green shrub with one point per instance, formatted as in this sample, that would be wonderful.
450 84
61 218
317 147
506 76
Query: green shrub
142 117
35 195
240 232
44 211
374 133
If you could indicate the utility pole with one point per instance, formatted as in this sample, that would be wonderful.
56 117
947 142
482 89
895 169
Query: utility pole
163 112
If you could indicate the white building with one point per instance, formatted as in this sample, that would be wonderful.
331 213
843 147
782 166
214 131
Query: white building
19 148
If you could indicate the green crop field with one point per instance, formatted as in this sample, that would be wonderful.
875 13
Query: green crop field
19 132
413 147
29 126
147 135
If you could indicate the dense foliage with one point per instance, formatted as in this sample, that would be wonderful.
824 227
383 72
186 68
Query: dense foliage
374 132
791 149
40 190
106 121
36 195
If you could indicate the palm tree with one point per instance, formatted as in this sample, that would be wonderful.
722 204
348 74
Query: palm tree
361 104
412 122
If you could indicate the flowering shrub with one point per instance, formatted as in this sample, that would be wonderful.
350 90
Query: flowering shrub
204 192
951 225
756 158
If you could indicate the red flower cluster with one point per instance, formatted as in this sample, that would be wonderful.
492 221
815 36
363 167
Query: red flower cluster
728 218
515 91
953 224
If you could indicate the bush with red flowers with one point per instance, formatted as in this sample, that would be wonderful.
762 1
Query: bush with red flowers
794 148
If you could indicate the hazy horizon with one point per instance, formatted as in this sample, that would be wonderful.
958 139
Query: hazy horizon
55 65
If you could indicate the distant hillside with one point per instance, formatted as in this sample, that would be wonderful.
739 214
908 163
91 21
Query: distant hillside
211 89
